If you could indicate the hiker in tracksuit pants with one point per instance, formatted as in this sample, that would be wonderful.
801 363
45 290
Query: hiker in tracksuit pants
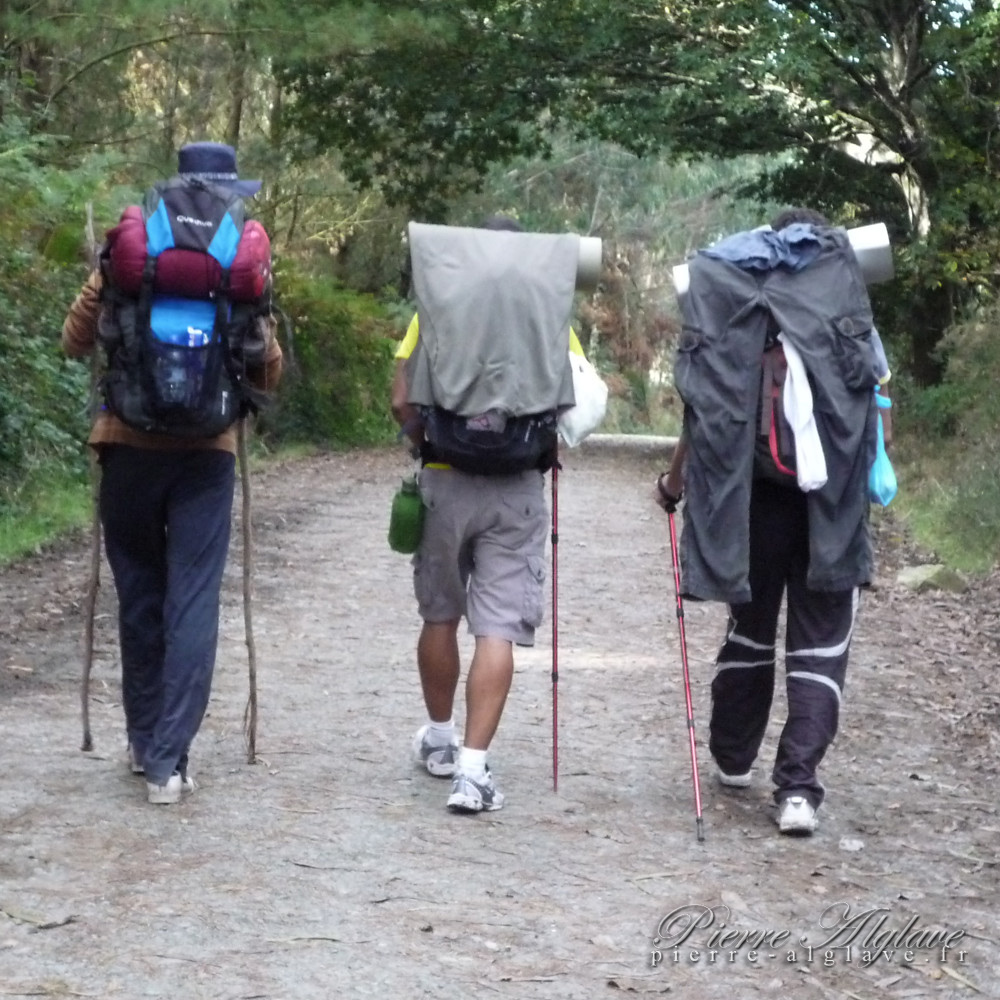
752 533
818 635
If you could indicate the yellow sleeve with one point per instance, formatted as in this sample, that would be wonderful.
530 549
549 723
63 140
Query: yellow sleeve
409 342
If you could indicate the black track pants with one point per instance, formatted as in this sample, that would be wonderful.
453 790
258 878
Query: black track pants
817 641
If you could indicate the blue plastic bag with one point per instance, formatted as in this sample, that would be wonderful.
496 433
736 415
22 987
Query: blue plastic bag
881 477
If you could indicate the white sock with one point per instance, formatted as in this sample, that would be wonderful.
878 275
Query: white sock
472 762
441 734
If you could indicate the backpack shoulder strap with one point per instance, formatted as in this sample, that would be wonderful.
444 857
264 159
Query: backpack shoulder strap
772 371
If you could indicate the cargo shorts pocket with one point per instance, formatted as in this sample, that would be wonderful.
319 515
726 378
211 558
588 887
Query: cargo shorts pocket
424 578
855 355
532 608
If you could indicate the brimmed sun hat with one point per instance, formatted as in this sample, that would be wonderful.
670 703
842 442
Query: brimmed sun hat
215 162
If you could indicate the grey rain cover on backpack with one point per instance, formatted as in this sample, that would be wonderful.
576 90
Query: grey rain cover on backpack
491 369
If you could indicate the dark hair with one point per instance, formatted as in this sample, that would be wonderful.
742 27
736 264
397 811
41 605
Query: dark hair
502 223
792 215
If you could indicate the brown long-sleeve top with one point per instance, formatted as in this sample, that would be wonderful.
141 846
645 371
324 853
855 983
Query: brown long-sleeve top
79 337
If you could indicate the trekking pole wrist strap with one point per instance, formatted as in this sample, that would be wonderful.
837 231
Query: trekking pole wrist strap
664 492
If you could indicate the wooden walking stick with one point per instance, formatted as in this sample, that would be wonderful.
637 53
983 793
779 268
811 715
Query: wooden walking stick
95 530
92 589
250 713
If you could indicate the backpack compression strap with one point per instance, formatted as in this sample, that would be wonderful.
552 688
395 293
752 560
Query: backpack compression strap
774 367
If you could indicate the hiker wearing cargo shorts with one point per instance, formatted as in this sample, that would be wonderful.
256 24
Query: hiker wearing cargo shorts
481 557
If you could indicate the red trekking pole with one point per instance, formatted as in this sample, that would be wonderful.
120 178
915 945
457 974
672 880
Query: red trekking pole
555 625
699 825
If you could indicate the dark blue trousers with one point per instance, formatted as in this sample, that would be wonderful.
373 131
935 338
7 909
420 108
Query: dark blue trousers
166 518
817 641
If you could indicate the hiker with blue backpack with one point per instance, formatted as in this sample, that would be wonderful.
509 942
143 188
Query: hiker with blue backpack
480 375
180 305
775 482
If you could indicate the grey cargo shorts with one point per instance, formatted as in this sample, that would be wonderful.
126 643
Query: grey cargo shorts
482 554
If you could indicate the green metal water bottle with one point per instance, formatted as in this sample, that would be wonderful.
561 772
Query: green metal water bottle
406 520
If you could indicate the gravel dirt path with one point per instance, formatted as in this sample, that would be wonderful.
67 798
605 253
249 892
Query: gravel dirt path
331 867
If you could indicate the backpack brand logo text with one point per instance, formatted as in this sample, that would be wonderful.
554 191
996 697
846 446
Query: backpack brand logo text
193 222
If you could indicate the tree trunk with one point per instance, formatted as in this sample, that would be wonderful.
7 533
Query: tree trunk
237 77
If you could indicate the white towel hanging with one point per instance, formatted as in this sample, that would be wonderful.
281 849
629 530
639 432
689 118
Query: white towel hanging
810 462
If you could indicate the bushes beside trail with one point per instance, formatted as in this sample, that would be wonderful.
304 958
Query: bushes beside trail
949 449
338 348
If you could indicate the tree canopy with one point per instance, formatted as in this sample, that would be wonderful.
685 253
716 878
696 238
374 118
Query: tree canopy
865 109
885 109
631 120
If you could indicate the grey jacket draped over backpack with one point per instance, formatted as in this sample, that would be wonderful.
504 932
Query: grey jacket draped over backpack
823 309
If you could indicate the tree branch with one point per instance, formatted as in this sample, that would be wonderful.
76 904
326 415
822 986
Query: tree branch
143 43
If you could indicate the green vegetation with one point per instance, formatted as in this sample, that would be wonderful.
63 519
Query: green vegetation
950 456
43 396
339 347
48 507
657 127
866 111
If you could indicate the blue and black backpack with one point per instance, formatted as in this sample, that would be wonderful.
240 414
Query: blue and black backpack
178 345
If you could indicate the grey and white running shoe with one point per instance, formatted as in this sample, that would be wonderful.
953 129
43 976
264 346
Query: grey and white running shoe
473 795
439 761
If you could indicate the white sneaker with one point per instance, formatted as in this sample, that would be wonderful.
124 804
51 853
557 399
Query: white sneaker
440 761
166 795
796 816
473 795
733 780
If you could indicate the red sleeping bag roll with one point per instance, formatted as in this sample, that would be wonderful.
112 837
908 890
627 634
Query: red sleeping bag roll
190 273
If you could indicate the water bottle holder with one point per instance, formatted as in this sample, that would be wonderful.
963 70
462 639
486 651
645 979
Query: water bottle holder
178 375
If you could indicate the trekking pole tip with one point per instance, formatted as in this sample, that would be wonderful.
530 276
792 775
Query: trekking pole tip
700 827
88 743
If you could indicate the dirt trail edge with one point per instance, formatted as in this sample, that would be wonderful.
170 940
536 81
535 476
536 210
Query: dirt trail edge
331 867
